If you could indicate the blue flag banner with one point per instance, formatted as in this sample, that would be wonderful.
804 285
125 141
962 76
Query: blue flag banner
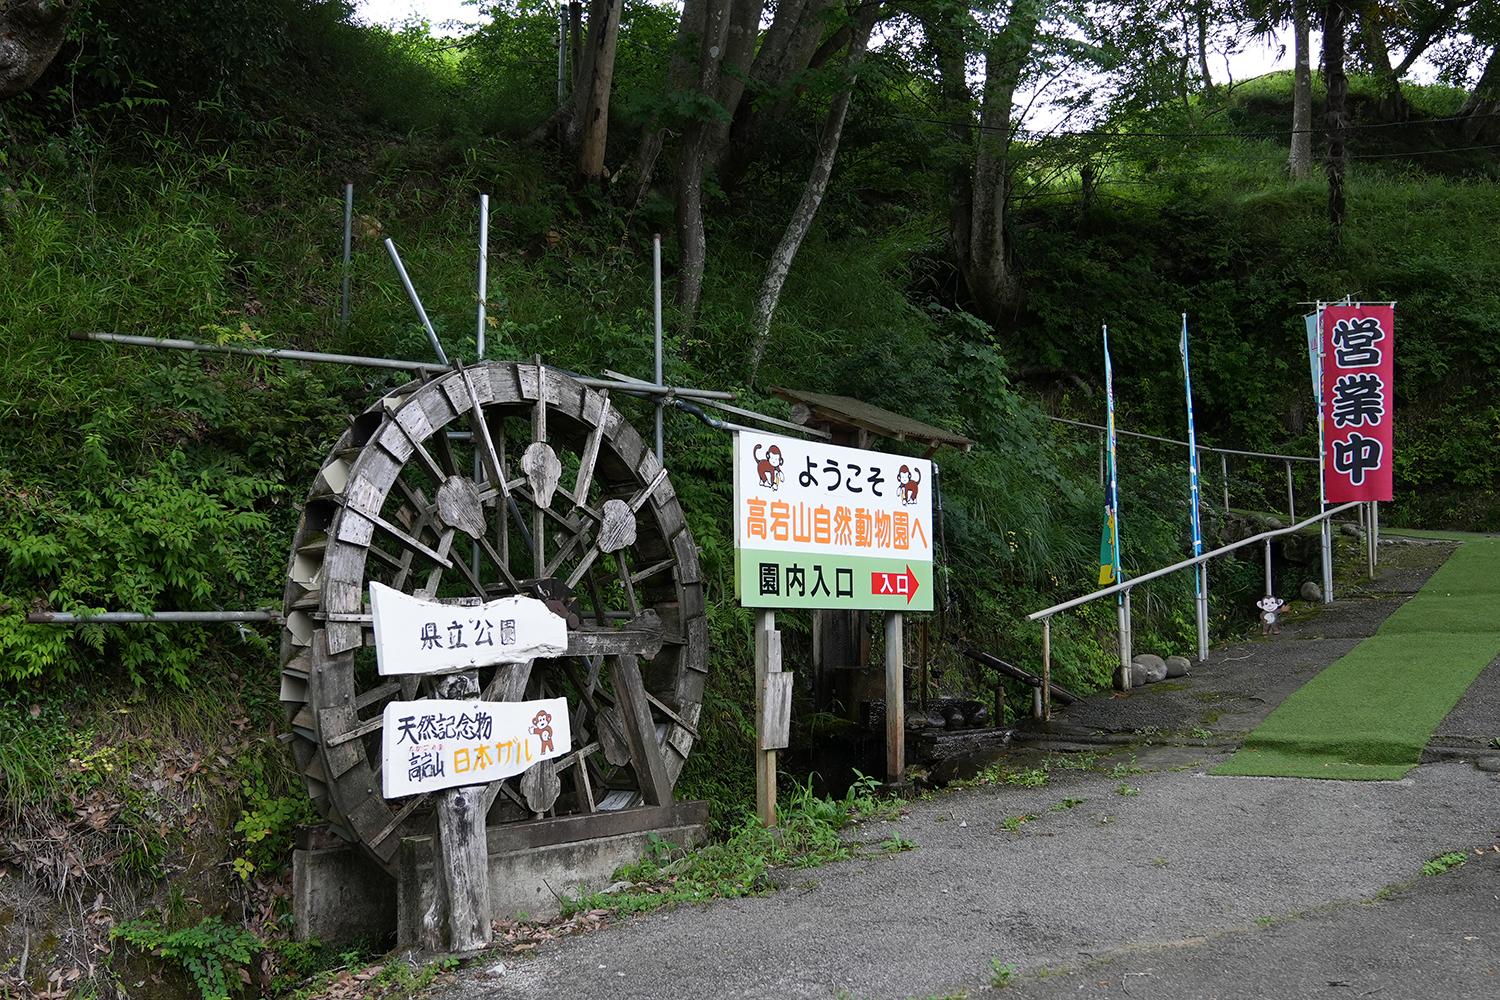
1109 544
1187 381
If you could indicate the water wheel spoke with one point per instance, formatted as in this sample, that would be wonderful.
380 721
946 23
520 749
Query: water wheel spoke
650 571
587 460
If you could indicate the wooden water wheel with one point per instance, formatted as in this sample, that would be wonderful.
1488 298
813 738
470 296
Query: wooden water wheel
482 482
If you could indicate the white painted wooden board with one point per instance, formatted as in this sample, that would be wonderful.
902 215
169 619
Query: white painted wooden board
433 744
413 636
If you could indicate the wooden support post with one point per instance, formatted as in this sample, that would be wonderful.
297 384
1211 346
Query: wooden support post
767 662
640 730
895 700
462 899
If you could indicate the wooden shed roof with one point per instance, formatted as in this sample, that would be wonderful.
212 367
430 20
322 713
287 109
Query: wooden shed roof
846 411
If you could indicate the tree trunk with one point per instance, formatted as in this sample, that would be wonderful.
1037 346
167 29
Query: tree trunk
708 20
1336 116
31 33
1299 161
785 53
945 33
812 194
986 265
596 79
1484 102
1392 106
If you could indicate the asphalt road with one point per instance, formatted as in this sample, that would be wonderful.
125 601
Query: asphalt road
1158 880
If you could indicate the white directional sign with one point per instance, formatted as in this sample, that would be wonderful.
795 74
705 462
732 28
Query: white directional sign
428 745
413 636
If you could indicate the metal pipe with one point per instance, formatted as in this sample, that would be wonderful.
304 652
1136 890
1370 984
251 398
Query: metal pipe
1375 527
1327 546
348 251
1291 498
1269 588
420 367
432 337
1127 639
1370 537
163 617
1224 468
1046 688
1157 574
1201 447
479 333
656 294
484 271
1203 612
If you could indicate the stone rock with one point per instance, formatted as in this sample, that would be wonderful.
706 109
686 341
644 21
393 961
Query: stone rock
1351 530
1273 523
1152 666
1177 666
1311 592
1490 764
1138 676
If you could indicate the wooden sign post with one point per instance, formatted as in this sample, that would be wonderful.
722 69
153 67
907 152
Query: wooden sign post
826 527
457 745
773 712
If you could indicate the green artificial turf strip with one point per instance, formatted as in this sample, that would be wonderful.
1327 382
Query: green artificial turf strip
1369 715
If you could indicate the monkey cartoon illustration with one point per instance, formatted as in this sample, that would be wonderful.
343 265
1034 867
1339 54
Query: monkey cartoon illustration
542 726
908 481
769 468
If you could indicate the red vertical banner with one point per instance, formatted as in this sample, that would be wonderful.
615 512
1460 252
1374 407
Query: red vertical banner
1359 401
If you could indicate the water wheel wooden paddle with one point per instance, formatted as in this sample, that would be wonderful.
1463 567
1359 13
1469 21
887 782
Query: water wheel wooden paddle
497 479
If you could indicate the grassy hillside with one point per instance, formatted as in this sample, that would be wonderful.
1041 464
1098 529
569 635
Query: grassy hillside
134 480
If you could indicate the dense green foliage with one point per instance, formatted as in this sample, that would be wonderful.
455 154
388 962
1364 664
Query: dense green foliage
170 181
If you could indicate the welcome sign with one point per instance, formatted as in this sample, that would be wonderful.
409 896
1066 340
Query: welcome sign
823 526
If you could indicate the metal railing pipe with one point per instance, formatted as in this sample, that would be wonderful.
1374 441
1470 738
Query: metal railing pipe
1157 574
361 361
130 617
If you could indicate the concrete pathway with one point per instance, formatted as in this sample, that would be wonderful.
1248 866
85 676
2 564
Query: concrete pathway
1141 875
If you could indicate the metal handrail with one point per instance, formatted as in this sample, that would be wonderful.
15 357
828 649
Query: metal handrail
1184 564
1043 705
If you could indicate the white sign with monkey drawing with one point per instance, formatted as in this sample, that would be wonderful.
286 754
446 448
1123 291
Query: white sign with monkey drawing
822 526
432 744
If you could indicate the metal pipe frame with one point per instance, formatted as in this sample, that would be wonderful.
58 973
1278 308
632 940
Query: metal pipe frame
356 360
130 617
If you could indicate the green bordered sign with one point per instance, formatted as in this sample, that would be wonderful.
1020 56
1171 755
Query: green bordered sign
821 526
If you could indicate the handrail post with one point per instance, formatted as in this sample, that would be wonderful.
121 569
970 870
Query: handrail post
1327 537
1202 571
1046 670
1375 529
1224 468
1291 498
1123 612
1269 589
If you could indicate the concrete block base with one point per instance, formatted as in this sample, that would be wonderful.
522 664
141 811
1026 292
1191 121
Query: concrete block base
535 879
339 896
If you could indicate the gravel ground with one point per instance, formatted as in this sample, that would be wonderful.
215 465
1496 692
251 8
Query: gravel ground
1158 879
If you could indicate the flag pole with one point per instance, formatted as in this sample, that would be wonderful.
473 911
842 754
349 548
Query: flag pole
1113 570
1200 574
